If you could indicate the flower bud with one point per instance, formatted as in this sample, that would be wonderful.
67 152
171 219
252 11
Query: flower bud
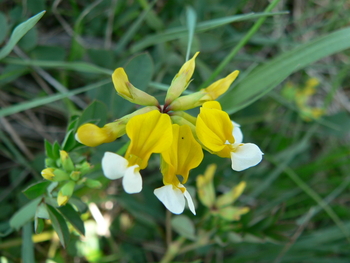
66 161
75 175
127 91
231 196
60 175
210 93
205 187
93 183
65 193
48 173
91 135
181 80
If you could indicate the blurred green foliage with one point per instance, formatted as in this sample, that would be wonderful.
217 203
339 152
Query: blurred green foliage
58 77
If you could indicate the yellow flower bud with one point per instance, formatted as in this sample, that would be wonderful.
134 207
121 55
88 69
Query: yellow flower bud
48 173
231 196
181 80
65 193
127 91
210 93
205 186
62 199
91 135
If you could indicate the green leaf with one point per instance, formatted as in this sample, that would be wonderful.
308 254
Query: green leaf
49 99
18 33
37 189
3 26
39 225
69 141
266 77
96 113
27 244
48 149
25 214
56 151
191 26
140 70
76 66
73 217
80 205
59 225
184 226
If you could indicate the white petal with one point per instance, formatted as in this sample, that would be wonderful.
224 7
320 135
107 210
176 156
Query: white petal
132 180
189 202
246 155
237 133
172 198
113 165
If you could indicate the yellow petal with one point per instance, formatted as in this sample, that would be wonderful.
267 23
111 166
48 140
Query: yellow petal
184 154
220 86
91 135
126 90
214 128
149 133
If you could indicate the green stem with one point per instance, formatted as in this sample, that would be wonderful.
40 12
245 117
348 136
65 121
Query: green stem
173 250
240 44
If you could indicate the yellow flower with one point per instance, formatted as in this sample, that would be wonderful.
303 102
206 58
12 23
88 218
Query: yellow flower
217 133
126 90
149 133
184 154
210 93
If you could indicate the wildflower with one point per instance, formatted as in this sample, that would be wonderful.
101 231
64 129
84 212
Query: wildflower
149 133
217 133
184 154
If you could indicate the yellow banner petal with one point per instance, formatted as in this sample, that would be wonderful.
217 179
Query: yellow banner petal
149 133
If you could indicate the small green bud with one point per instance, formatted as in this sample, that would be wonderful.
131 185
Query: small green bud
66 161
93 183
85 168
75 175
59 175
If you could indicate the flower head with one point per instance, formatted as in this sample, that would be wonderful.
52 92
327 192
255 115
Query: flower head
216 132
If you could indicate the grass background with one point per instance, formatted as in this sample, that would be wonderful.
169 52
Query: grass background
298 195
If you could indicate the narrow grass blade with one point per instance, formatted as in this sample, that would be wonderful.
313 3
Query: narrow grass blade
191 26
18 33
179 32
49 99
266 77
27 244
75 66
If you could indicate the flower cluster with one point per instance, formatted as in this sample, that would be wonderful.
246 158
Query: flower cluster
177 136
67 175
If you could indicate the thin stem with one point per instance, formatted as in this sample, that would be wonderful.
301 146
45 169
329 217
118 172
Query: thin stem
240 44
168 228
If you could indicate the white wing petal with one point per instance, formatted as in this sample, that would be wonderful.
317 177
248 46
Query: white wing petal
246 155
132 180
113 165
171 197
237 133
